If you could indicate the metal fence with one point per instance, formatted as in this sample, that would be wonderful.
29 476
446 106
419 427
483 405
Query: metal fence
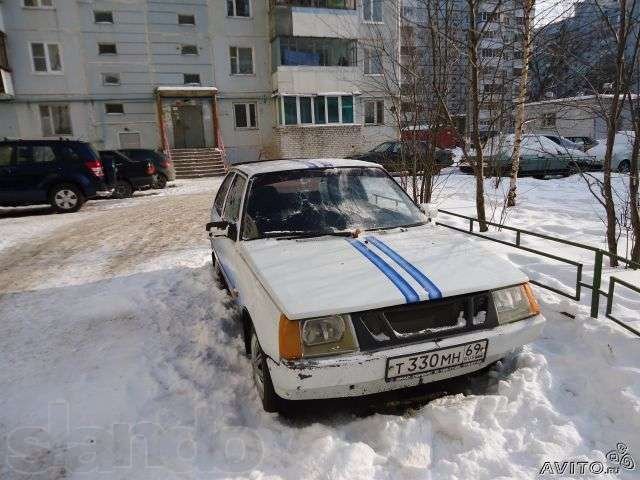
599 255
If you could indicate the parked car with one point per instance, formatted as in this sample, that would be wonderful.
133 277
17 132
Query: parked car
164 168
584 161
63 173
585 142
539 157
390 156
130 175
335 269
622 151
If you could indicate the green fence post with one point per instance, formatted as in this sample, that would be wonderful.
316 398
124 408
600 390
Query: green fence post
597 282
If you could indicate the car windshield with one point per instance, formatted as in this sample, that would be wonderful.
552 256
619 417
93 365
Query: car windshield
383 147
325 202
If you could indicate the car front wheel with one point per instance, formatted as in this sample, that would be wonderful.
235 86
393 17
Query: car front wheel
66 198
271 402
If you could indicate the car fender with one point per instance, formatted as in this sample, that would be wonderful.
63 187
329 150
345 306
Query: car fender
86 185
251 297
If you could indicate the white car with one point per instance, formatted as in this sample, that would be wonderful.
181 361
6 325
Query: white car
622 149
347 289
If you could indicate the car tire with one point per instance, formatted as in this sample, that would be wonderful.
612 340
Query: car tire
624 166
123 189
161 181
539 177
271 402
66 198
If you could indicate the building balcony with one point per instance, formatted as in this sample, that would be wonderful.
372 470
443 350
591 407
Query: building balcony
304 79
290 19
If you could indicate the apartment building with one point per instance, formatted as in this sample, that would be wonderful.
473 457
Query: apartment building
500 53
263 79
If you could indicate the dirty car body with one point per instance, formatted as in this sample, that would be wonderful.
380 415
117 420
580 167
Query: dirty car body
347 289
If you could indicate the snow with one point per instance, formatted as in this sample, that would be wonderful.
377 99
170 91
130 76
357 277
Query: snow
121 359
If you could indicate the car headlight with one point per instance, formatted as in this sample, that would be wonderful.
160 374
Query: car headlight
515 303
316 336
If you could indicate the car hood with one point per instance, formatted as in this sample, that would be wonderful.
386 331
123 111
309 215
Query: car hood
330 275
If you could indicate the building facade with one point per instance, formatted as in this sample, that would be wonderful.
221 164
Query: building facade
583 116
261 79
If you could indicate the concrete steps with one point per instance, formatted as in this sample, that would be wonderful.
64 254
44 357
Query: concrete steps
198 162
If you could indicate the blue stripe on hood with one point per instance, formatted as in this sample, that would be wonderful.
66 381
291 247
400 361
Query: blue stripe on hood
401 284
424 281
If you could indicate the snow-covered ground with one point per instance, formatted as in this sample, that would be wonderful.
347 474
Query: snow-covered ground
121 359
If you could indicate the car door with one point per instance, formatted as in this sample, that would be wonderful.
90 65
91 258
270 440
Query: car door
6 174
36 167
224 241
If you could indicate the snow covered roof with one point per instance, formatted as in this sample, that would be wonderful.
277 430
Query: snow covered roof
581 98
256 168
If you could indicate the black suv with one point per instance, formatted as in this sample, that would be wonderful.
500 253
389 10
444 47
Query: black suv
64 173
129 175
164 168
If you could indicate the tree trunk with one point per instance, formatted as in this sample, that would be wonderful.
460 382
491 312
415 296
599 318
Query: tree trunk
478 164
522 95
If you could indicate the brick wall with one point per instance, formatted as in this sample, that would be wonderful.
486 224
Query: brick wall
311 141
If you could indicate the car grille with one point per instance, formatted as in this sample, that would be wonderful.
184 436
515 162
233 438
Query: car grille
426 320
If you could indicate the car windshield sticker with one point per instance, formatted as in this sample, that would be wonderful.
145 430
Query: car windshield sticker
407 290
418 276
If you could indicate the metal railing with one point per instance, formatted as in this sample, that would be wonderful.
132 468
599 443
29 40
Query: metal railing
599 255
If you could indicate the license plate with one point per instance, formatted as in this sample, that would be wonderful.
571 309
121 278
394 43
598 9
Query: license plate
437 361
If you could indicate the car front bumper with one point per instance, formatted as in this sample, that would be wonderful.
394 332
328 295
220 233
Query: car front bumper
364 373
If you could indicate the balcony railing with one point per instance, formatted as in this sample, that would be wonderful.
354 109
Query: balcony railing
336 4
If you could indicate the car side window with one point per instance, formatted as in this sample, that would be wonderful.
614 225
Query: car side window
234 199
218 203
29 154
5 155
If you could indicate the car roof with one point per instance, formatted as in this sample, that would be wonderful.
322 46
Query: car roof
267 166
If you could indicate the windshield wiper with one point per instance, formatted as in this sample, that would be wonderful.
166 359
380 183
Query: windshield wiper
417 224
290 234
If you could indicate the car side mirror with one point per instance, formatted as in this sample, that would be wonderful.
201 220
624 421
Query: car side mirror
221 225
540 155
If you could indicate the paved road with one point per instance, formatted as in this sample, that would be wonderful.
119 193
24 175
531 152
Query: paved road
106 238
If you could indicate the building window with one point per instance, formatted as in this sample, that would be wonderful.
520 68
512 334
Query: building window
46 57
372 62
186 19
372 10
489 16
549 119
107 49
245 115
55 120
241 59
38 3
490 52
238 8
319 110
333 4
374 112
189 49
102 16
316 51
4 58
111 79
114 108
191 78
